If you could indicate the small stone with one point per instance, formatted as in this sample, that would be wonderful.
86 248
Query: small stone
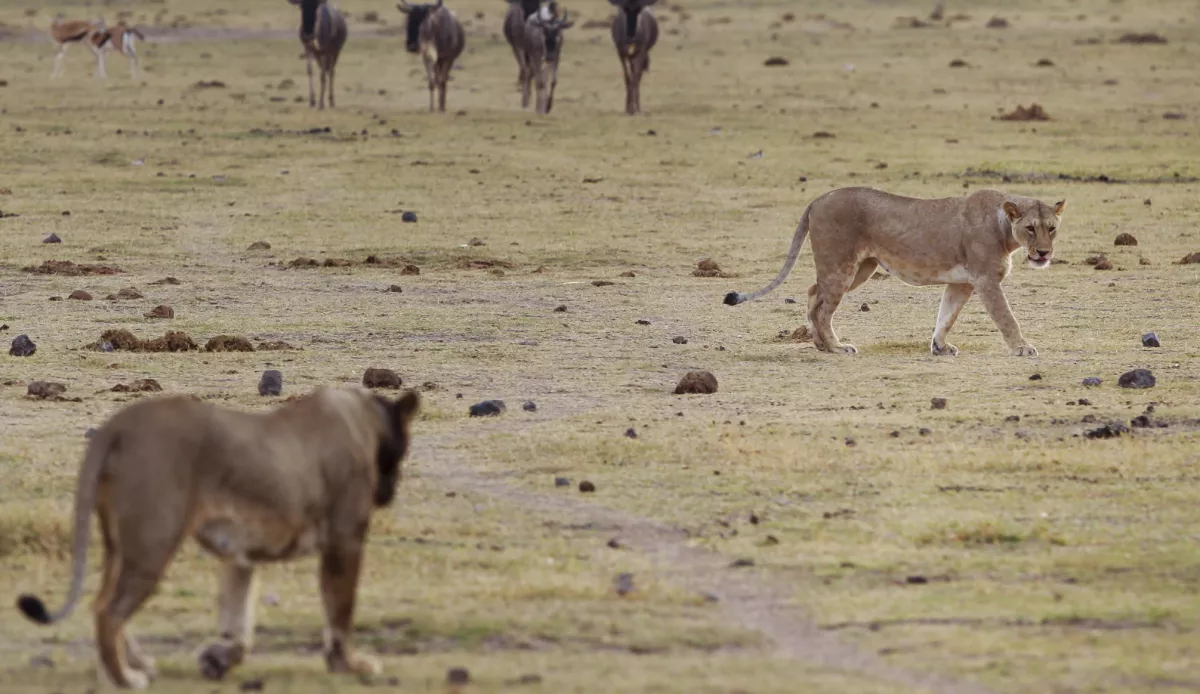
1013 418
586 487
529 406
561 308
631 433
679 340
254 685
789 300
642 321
924 431
142 385
1084 401
776 61
614 543
1150 340
916 580
80 295
259 246
1138 378
91 432
1125 240
52 238
623 584
938 403
602 283
864 307
409 217
395 289
701 382
476 242
1035 377
381 378
741 563
45 390
22 346
458 676
562 482
487 408
1108 431
1092 381
1140 422
271 383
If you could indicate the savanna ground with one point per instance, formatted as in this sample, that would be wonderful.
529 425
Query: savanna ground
983 555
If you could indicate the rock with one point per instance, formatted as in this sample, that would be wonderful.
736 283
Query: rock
395 289
851 442
91 432
487 408
476 242
142 385
409 217
1109 431
562 482
529 406
1084 401
22 346
628 273
1104 264
708 268
1035 377
1150 340
126 293
614 543
938 403
997 23
259 246
1013 418
789 300
52 238
1138 378
679 340
586 487
602 283
254 685
864 307
924 431
741 563
1190 259
631 433
1140 422
80 295
958 62
916 580
1125 240
458 676
228 343
776 61
1092 381
700 382
623 584
381 378
160 311
561 308
45 390
642 321
271 383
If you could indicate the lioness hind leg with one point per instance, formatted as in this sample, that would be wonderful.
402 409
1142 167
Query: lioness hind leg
865 269
953 300
823 300
339 587
235 607
135 583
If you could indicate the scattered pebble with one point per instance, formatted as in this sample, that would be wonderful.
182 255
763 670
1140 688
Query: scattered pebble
381 378
487 408
1138 378
741 563
1125 239
45 390
586 487
22 346
1013 418
1084 401
1109 431
529 406
789 300
142 385
395 289
1035 377
938 403
631 433
259 246
409 217
864 307
776 61
851 442
160 311
679 340
924 431
562 482
271 383
80 295
561 308
602 283
52 238
1150 340
1092 381
458 675
642 321
623 584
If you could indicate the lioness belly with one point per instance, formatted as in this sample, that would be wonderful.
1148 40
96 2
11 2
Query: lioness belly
249 538
920 277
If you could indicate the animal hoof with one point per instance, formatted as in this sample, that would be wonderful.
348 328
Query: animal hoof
218 659
1025 351
946 350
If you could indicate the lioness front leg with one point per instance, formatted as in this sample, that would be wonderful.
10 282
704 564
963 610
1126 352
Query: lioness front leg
997 307
339 587
235 617
953 300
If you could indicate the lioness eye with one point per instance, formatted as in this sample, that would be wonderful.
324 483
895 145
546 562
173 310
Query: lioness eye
1052 229
1030 228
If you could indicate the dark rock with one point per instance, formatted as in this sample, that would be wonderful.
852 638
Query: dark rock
642 321
916 580
22 346
395 289
924 431
561 308
614 543
679 340
864 307
602 283
381 378
623 584
45 390
1109 431
702 382
259 246
742 563
789 300
142 385
631 433
776 61
1084 401
586 487
409 217
1140 422
254 685
458 676
1138 378
52 238
1013 418
487 408
1125 240
562 482
80 295
1150 340
529 406
851 442
160 311
1035 377
91 432
1092 381
271 383
938 403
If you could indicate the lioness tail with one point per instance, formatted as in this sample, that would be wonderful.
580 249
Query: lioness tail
734 298
85 501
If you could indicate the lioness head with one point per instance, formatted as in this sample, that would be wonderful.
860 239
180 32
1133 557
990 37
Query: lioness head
1034 228
393 442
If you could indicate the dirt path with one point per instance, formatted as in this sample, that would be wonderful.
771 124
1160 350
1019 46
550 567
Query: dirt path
753 600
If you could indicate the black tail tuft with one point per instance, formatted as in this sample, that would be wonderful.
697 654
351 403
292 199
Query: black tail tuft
34 608
731 299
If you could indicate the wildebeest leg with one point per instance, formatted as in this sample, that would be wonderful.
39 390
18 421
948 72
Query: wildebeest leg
520 68
541 91
308 59
431 75
323 65
332 69
553 84
526 81
625 69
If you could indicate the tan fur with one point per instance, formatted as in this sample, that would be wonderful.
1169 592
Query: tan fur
249 488
122 39
965 243
64 33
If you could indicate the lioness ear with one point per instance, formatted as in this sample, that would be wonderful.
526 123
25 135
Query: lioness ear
1011 211
404 408
1058 209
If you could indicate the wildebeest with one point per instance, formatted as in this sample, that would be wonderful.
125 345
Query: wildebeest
514 31
322 33
541 46
434 32
634 33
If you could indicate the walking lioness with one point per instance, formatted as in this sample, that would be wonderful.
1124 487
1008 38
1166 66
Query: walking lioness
964 243
250 488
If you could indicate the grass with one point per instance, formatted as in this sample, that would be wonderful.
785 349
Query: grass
1018 555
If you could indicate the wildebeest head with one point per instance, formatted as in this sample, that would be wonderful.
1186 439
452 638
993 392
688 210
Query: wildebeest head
552 27
417 14
308 14
631 8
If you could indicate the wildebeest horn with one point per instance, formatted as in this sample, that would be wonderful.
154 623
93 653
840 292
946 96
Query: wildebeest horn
403 7
562 22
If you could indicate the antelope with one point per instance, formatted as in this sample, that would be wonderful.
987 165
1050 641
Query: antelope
322 33
542 46
434 32
120 39
634 33
514 31
67 32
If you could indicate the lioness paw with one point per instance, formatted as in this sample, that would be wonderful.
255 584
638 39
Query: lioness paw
847 349
946 350
1025 351
366 665
218 659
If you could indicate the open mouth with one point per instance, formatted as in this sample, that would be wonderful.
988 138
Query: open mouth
1039 262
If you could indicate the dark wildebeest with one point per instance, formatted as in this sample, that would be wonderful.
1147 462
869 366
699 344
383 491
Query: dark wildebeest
540 48
322 33
514 31
634 33
434 32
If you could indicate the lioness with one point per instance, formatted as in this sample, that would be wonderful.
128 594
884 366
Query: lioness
250 488
965 243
